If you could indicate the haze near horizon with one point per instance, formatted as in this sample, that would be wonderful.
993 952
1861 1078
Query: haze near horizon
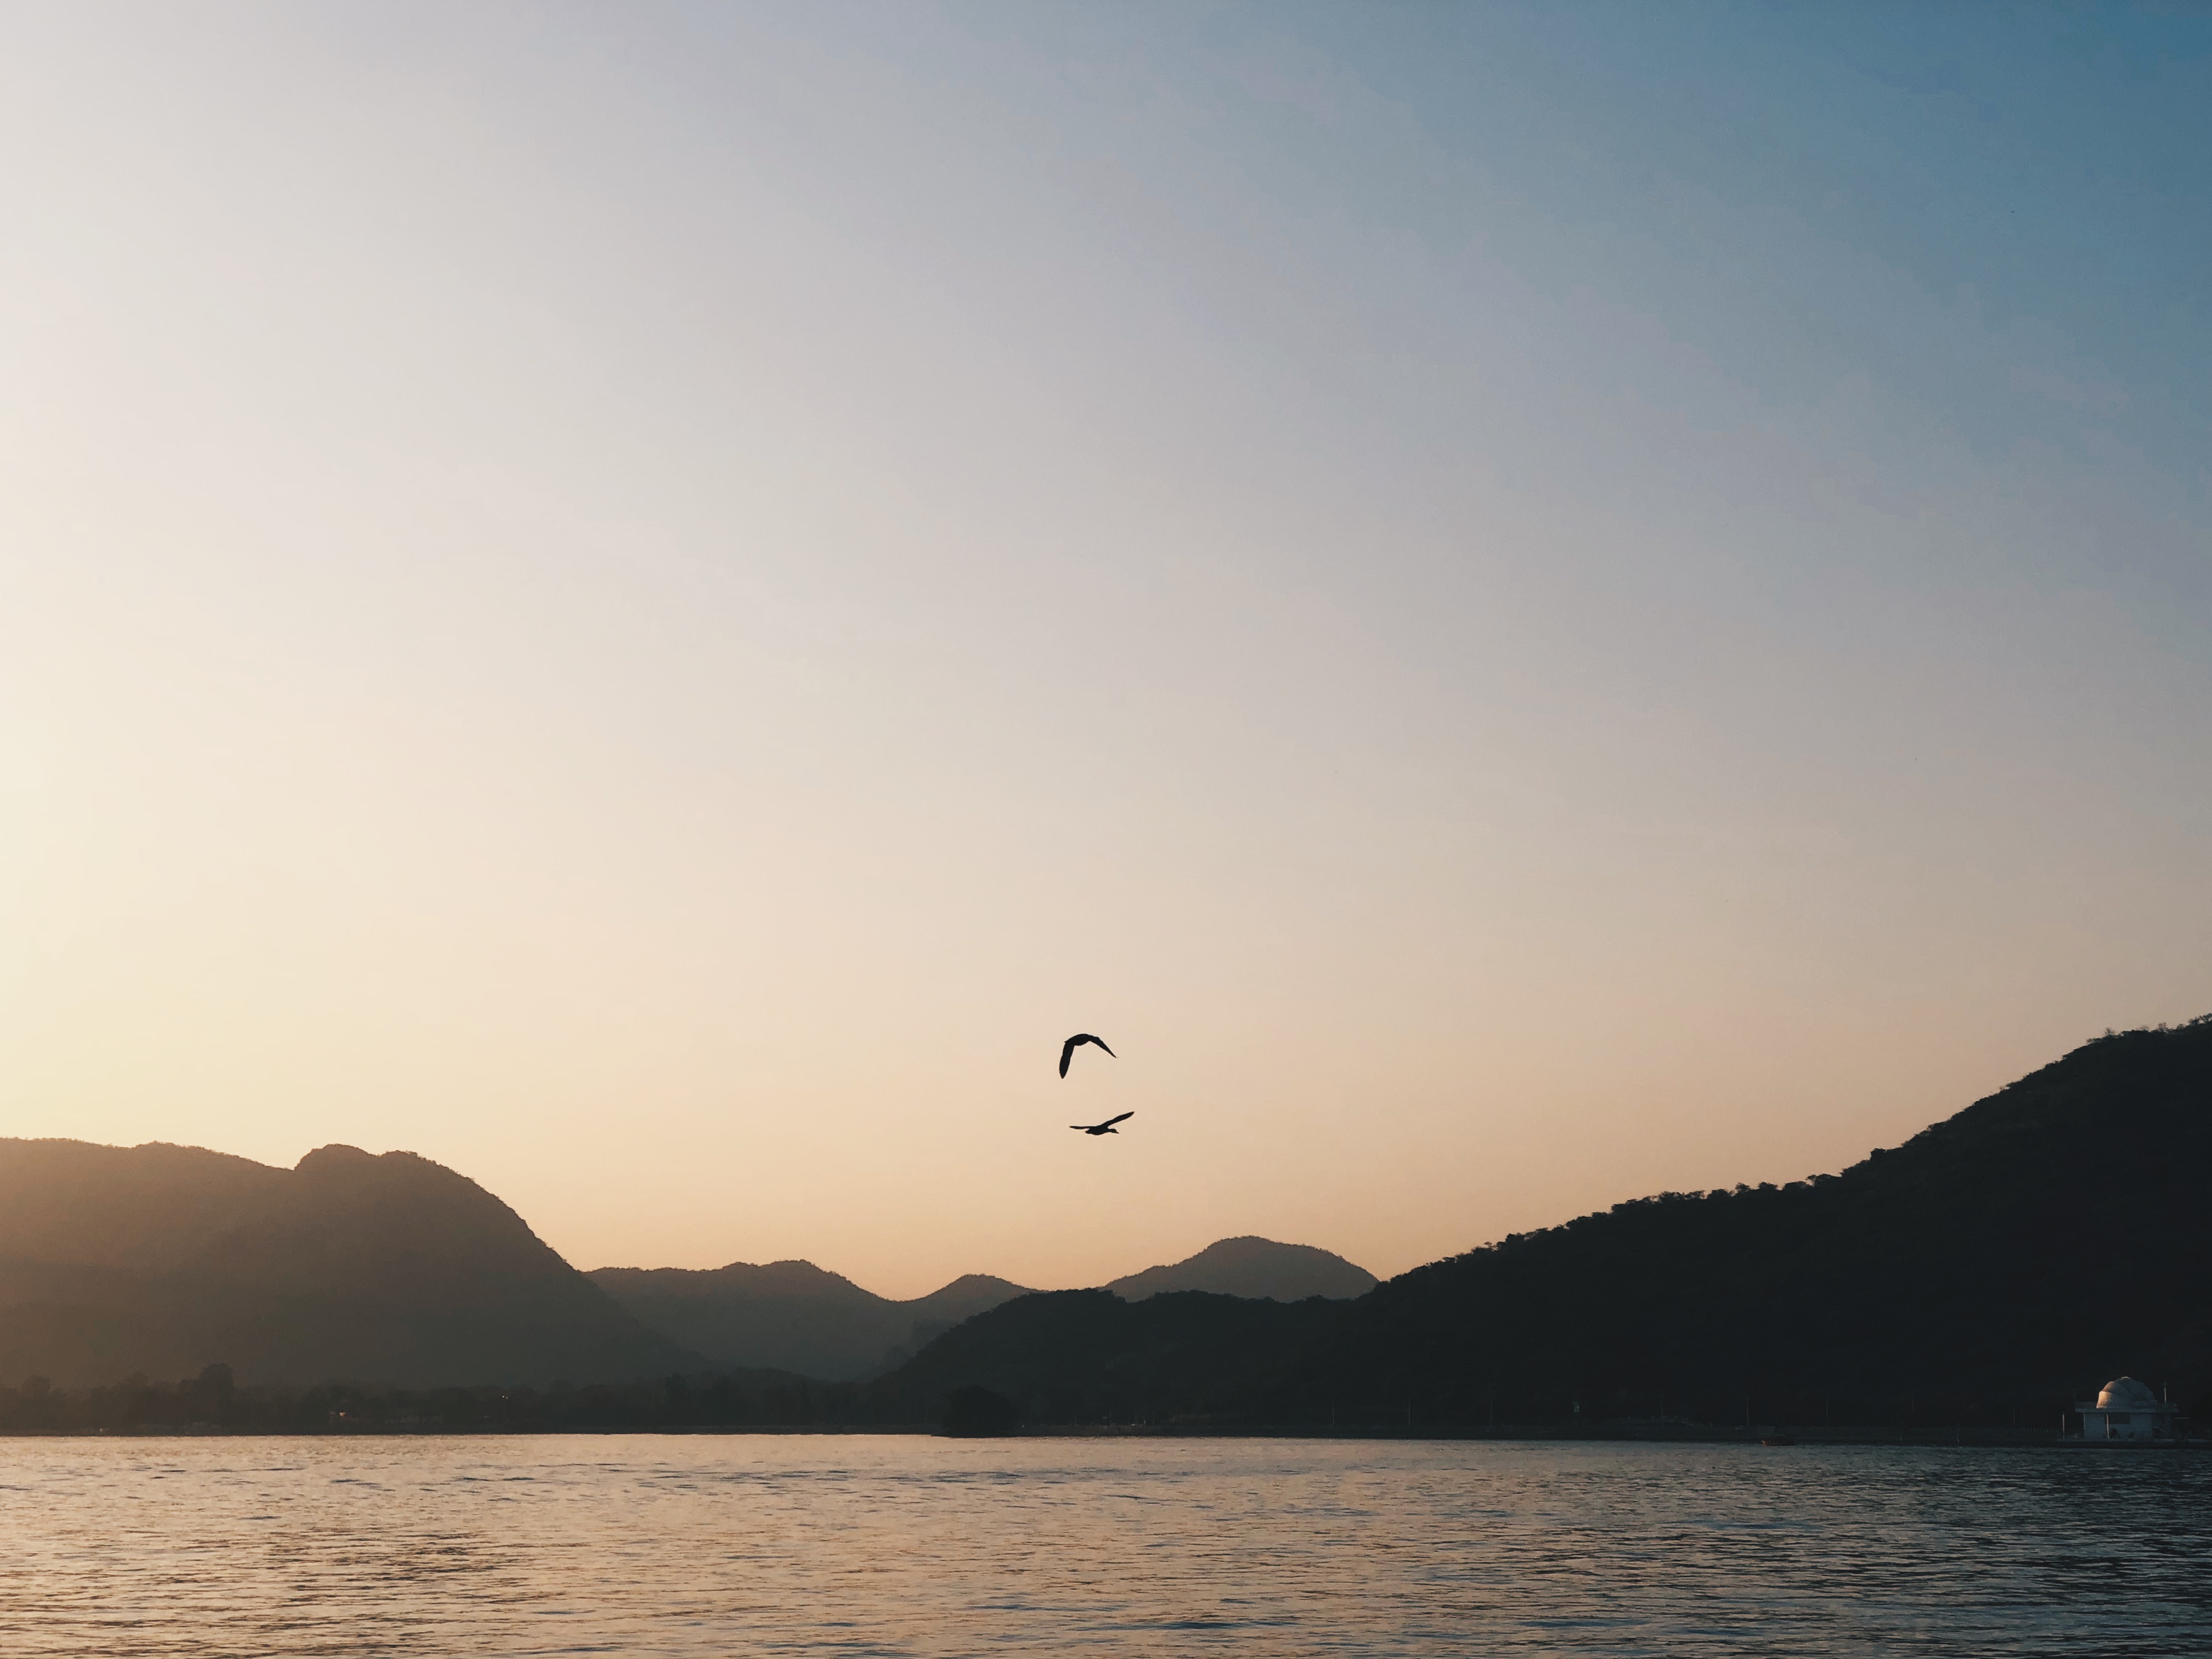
1520 606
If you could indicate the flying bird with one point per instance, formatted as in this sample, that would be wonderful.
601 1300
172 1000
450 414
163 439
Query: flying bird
1072 1045
1107 1128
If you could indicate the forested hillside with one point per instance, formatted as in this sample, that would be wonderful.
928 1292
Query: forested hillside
1993 1267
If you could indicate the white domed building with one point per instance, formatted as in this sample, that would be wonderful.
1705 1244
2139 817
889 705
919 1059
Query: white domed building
2126 1410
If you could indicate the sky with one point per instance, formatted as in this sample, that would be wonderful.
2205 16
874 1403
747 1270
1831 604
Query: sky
1520 605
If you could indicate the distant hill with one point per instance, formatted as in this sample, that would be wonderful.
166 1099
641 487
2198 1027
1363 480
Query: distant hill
166 1259
1996 1267
1252 1267
794 1315
1088 1356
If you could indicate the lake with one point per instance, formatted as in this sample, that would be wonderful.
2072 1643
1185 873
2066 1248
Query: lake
867 1545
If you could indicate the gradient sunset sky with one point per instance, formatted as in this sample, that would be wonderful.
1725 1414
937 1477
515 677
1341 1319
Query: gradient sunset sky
1522 605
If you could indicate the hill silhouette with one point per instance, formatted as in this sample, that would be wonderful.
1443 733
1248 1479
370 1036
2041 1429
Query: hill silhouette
1994 1267
164 1259
794 1315
1256 1268
1089 1356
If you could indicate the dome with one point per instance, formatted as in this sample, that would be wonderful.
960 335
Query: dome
2124 1394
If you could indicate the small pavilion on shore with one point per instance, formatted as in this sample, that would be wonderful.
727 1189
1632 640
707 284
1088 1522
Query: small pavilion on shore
2125 1409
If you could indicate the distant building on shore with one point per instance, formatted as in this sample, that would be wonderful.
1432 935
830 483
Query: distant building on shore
2126 1410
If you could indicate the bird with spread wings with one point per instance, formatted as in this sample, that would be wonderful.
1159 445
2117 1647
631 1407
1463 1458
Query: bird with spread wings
1105 1128
1069 1047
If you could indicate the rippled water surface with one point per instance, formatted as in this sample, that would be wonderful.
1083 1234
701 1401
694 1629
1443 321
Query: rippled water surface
865 1545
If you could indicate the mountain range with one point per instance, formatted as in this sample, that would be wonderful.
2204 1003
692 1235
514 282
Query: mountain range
1997 1265
795 1316
161 1259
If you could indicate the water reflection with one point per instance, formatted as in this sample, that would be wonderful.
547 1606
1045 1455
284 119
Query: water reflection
865 1545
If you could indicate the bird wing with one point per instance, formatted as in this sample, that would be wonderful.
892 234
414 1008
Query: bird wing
1110 1121
1075 1042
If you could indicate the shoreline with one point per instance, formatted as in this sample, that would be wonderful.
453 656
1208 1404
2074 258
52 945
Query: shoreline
1769 1437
